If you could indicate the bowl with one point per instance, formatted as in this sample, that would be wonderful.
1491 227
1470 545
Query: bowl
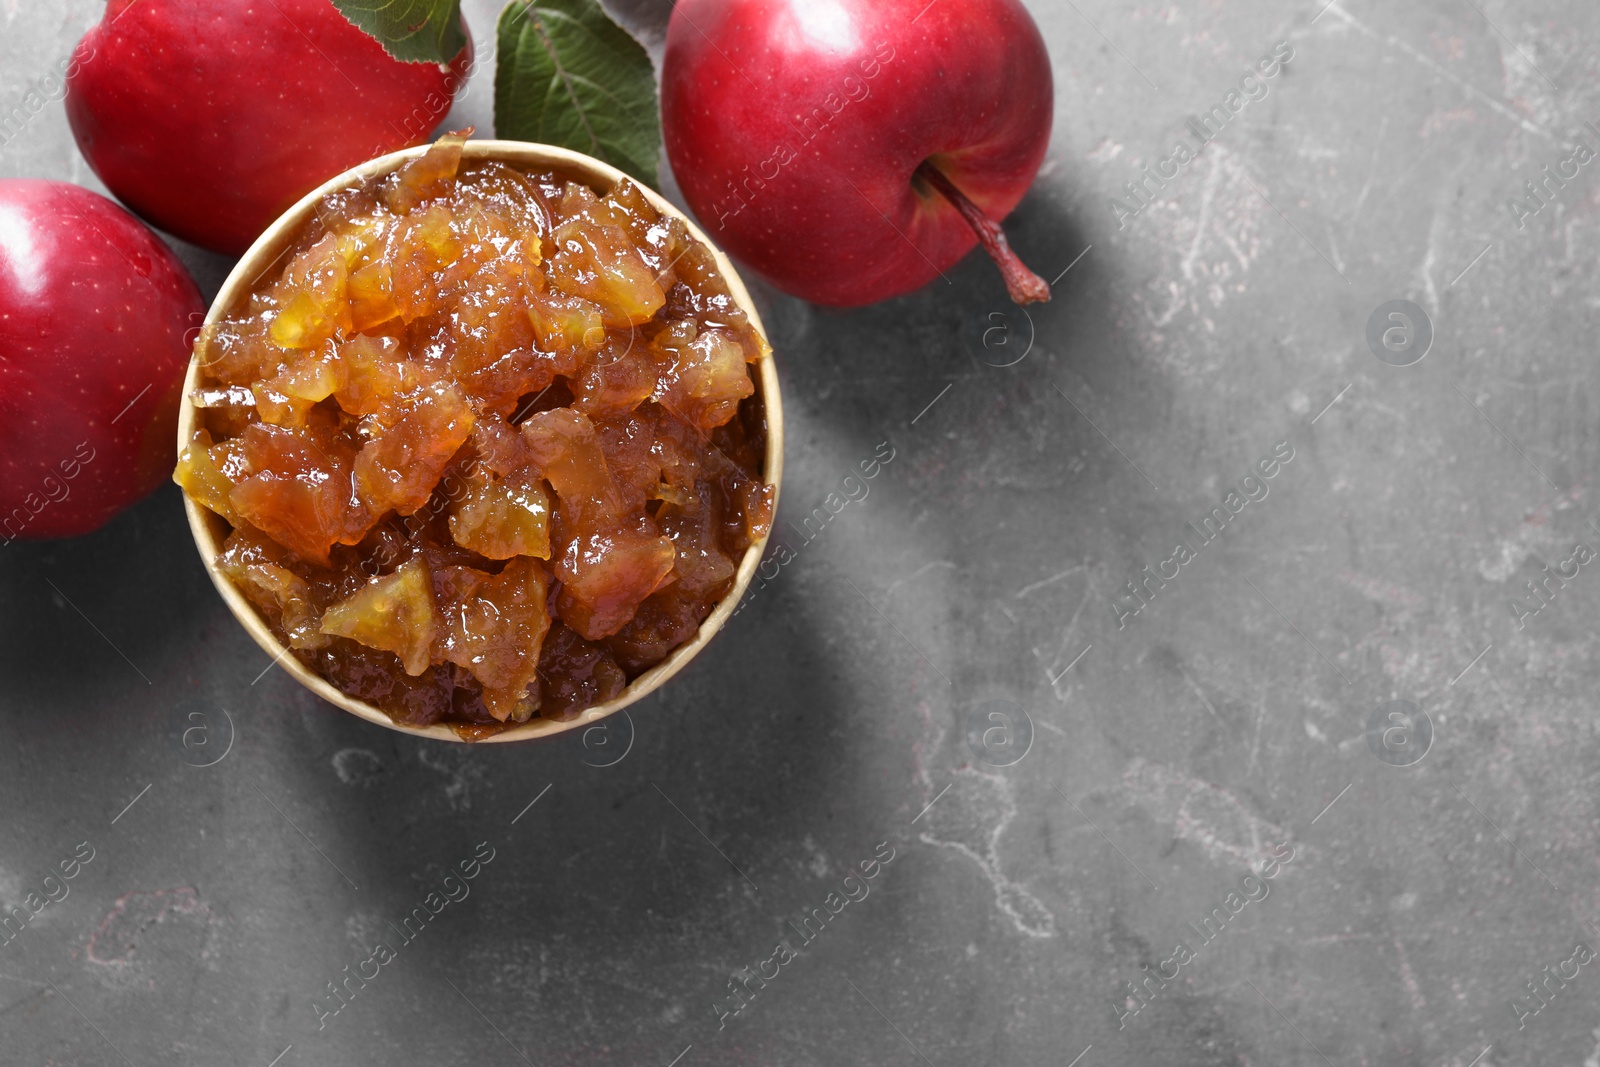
210 529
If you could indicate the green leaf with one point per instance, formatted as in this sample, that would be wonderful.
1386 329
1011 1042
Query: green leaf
413 31
567 75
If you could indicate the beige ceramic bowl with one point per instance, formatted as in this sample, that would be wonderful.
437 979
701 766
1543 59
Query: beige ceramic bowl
210 530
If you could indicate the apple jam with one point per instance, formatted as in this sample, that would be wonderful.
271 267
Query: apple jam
488 442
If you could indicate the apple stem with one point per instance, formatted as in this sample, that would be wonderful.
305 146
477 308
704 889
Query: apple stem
1023 284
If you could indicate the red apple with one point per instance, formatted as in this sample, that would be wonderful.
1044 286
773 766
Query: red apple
852 150
94 313
211 117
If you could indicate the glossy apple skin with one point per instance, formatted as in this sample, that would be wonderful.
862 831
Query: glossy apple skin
94 316
828 211
210 118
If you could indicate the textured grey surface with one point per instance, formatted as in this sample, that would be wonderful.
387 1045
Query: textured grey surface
1225 718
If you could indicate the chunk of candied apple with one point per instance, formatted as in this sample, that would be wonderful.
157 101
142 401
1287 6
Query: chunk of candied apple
398 468
500 518
350 213
287 598
510 192
707 381
701 567
424 246
203 478
566 450
300 324
494 626
237 352
605 575
315 376
611 384
430 175
491 342
308 377
278 408
372 302
498 445
260 568
626 206
566 323
631 453
600 264
699 289
313 298
394 613
360 238
376 370
756 501
576 199
299 491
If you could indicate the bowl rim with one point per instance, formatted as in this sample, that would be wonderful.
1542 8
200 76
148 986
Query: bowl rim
265 253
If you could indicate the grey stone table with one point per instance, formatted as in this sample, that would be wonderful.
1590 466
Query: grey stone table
1072 774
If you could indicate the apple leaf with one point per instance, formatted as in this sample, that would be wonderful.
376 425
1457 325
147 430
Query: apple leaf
568 75
413 31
